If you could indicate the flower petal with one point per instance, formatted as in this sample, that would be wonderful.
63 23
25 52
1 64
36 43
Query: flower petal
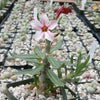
49 36
52 24
38 35
44 19
36 24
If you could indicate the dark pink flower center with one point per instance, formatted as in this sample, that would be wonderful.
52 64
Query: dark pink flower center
44 28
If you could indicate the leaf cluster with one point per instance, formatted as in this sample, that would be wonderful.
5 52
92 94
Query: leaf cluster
76 69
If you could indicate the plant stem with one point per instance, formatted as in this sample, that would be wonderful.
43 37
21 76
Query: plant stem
47 49
43 76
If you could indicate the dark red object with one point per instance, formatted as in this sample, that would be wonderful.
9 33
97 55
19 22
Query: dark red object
31 18
65 10
56 34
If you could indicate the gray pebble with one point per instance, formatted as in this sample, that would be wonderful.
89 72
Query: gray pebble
50 98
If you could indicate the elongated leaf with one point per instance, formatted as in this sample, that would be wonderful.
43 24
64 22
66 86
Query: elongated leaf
72 65
79 60
38 52
86 61
59 73
59 20
82 65
68 63
64 96
71 75
37 69
57 46
55 64
32 61
80 73
53 77
65 67
35 80
58 64
30 71
38 16
75 80
26 71
24 56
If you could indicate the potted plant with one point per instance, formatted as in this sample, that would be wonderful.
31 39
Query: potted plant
44 78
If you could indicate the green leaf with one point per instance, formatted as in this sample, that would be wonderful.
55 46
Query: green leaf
38 52
82 65
48 82
36 80
30 71
53 77
37 69
47 90
86 61
55 88
38 16
80 73
79 60
55 64
24 56
65 67
75 80
70 76
71 65
57 46
25 71
64 96
59 73
68 63
75 74
32 61
59 20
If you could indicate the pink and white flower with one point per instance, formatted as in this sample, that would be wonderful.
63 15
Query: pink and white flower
44 26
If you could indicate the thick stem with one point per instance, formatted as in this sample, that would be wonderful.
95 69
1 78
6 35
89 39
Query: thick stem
43 76
47 49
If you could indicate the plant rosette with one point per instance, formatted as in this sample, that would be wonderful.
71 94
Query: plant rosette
93 87
45 79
